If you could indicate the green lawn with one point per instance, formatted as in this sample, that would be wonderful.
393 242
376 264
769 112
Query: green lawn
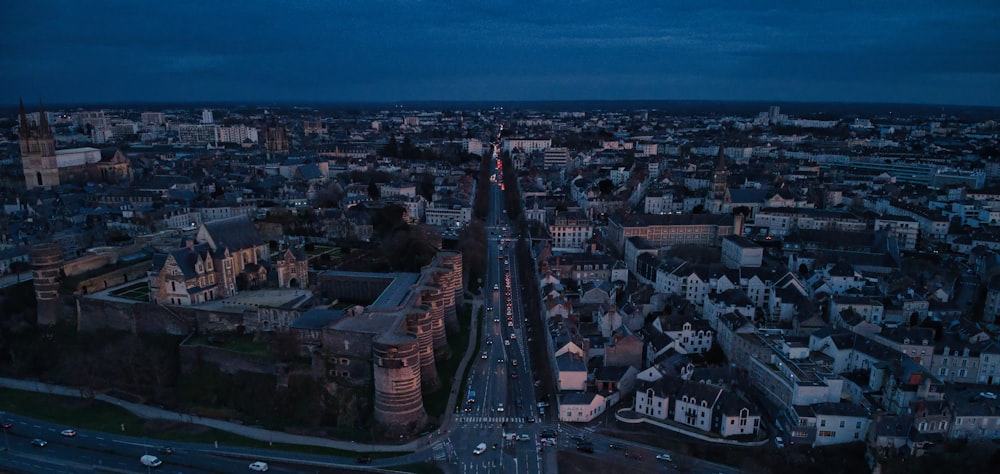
99 416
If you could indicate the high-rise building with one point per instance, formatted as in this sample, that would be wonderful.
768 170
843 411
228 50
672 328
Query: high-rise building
152 118
206 117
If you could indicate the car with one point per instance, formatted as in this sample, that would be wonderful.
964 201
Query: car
514 362
518 403
259 466
506 343
549 433
484 355
988 395
496 287
496 320
500 407
779 442
617 446
524 437
489 341
578 438
7 425
365 459
664 457
489 308
165 450
500 361
480 449
69 433
513 374
538 383
585 448
542 404
513 336
39 442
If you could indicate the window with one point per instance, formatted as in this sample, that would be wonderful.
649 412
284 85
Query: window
842 423
857 425
822 422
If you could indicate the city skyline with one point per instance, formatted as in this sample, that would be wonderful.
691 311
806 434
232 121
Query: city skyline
913 52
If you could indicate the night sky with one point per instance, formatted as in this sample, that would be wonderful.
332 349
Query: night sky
383 51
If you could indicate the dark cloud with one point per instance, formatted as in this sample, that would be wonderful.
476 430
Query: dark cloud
913 51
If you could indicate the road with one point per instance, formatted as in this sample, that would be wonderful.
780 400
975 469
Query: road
501 375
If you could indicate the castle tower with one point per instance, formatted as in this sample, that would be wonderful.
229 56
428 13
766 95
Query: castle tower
399 405
418 321
451 281
432 296
46 263
38 151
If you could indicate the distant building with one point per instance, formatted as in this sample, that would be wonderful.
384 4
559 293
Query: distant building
46 167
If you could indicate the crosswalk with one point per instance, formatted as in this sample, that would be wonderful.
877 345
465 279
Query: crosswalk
489 419
439 452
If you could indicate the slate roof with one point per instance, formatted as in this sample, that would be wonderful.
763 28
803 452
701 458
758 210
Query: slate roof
317 318
234 232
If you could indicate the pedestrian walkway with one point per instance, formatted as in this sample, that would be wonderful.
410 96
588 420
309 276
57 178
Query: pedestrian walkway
260 434
489 419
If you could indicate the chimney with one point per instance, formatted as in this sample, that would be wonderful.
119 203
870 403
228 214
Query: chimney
190 244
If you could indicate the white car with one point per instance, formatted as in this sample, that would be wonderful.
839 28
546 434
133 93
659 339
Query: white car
69 433
500 407
479 449
664 457
259 466
779 442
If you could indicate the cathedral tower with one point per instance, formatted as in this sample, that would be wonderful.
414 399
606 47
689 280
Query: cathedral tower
38 151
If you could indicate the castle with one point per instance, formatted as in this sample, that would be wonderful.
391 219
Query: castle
45 167
396 340
225 256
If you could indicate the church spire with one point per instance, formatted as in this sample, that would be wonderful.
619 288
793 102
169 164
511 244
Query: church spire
23 129
43 121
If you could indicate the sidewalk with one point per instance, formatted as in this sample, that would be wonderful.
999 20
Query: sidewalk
260 434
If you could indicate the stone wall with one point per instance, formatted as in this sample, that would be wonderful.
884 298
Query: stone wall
230 362
114 278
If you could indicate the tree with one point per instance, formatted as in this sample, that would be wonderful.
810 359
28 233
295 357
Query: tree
18 267
391 148
373 191
605 186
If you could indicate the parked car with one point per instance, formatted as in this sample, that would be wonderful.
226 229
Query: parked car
779 442
259 466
